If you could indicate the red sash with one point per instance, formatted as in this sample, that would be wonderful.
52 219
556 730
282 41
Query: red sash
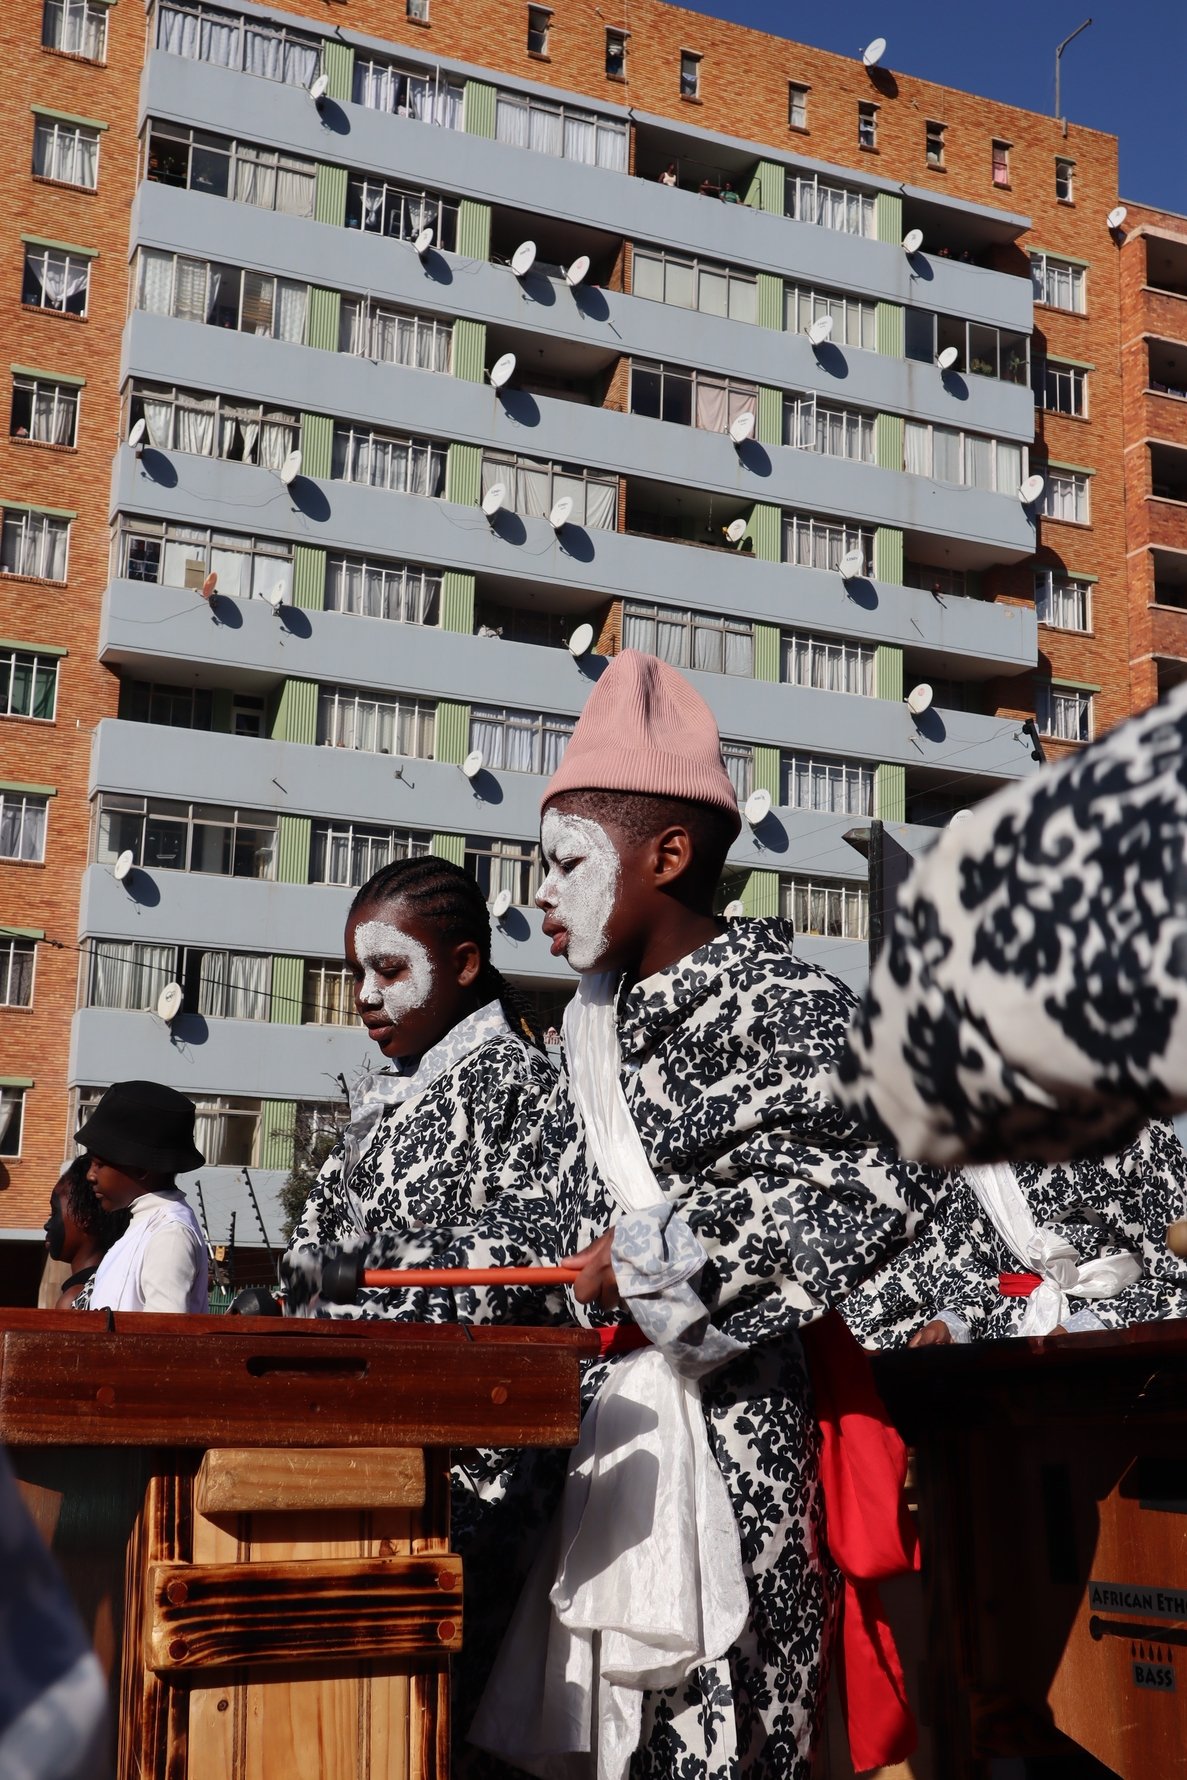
1018 1285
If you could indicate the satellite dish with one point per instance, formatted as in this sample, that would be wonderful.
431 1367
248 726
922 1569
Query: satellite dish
735 531
919 698
169 1002
472 764
742 427
732 910
290 469
757 807
873 53
820 330
913 241
1031 490
423 242
319 88
136 436
578 272
209 585
959 816
1116 216
493 499
501 904
561 513
123 865
581 641
502 370
948 357
851 565
275 596
523 259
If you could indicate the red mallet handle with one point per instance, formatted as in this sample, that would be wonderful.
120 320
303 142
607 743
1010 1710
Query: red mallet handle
468 1276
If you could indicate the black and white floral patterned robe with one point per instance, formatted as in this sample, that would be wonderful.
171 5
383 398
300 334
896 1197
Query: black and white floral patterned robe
1122 1203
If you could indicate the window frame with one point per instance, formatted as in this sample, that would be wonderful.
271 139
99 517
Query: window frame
853 657
62 130
1077 482
30 803
1043 267
1052 590
180 811
867 126
402 81
514 718
733 388
854 900
13 1138
90 12
12 945
858 422
797 99
851 535
935 143
38 666
225 410
539 27
509 101
1049 375
1065 175
349 439
215 270
1049 693
509 465
822 300
373 313
497 865
616 34
50 524
243 26
328 832
67 394
33 252
859 772
999 163
697 269
320 1007
427 596
344 710
690 75
417 208
238 153
693 623
829 200
168 536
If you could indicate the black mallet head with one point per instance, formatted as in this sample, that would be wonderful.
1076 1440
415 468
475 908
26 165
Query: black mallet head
341 1277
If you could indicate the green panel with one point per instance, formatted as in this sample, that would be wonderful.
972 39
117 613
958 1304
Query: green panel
451 847
86 253
766 532
317 445
296 712
463 474
288 982
469 349
329 195
278 1120
337 64
321 323
292 853
453 732
766 774
888 216
888 555
220 715
767 188
761 894
888 671
479 109
770 301
33 790
766 652
888 441
768 419
309 577
457 602
890 793
890 330
80 382
57 649
473 229
68 117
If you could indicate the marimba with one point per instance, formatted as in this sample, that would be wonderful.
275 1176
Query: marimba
253 1518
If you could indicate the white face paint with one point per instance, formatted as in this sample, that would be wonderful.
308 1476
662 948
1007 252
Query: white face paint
582 882
379 943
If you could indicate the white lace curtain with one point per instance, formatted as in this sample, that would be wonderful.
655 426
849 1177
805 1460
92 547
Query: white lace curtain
205 37
128 974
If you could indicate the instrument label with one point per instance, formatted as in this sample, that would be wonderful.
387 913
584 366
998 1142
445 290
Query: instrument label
1159 1676
1151 1601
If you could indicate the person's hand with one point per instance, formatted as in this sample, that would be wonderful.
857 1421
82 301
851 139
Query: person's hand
933 1334
595 1284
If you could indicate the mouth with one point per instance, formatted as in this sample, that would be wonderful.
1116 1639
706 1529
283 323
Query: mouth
559 936
380 1031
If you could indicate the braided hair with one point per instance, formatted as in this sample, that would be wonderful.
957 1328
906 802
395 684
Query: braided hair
448 899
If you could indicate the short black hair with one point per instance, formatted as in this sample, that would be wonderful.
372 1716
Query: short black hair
106 1227
637 815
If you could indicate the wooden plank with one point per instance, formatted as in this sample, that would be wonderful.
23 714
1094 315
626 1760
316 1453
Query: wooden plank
153 1717
273 1615
240 1480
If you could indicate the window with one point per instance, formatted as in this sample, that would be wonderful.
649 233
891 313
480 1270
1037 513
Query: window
385 460
183 556
227 1130
175 707
213 426
853 319
329 993
55 280
1061 602
1065 496
203 33
22 825
616 42
224 296
539 23
812 425
828 665
376 722
982 350
867 124
163 834
417 11
12 1120
427 94
505 865
808 199
383 208
28 684
840 787
396 590
999 158
44 411
533 487
34 544
1060 388
1065 180
694 284
17 960
199 161
220 985
738 760
349 853
969 460
370 329
690 398
76 28
690 74
554 129
825 908
1058 283
813 543
522 624
1063 712
700 640
797 105
951 582
68 153
519 741
934 134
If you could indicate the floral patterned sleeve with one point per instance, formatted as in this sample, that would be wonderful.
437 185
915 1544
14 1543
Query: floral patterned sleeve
326 1218
952 1266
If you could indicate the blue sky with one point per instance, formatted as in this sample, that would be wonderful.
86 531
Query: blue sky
1125 74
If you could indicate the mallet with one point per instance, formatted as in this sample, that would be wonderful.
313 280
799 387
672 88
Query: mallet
343 1275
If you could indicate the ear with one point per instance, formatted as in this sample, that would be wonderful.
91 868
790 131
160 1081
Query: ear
671 856
467 963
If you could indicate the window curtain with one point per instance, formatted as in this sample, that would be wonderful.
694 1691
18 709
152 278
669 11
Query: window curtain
601 505
511 121
255 179
276 441
233 986
1009 468
487 735
293 188
712 405
290 306
268 572
612 150
916 448
195 424
545 130
156 281
638 632
59 278
580 139
978 461
211 1132
126 974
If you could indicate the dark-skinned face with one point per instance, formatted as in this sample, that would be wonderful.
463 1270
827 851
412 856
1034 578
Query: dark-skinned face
602 892
410 987
61 1231
117 1188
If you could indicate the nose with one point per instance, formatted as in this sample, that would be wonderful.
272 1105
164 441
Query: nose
545 896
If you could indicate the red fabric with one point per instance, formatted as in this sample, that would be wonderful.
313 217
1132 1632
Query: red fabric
863 1465
1018 1285
620 1338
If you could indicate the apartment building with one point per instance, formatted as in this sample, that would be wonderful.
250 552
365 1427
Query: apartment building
739 418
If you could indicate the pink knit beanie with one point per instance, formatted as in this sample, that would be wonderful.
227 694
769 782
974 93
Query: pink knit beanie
645 729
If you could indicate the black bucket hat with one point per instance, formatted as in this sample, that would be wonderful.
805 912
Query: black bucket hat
143 1125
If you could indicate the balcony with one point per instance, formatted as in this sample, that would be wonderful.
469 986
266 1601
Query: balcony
1169 579
1168 473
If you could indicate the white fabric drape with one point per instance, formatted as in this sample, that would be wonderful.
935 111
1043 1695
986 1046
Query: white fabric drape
128 974
195 425
60 278
158 420
580 140
156 281
511 121
601 505
916 448
712 409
